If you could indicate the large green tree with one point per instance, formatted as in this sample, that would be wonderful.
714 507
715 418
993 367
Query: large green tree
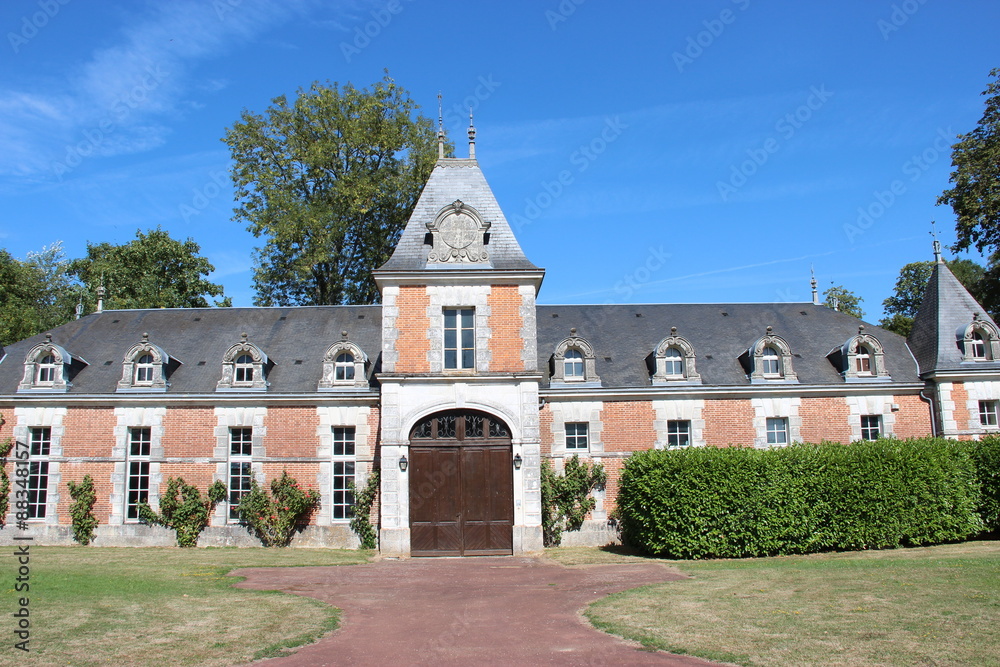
35 294
151 271
902 306
844 300
975 194
328 182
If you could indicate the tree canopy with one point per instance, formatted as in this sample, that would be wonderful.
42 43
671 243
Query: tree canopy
35 294
975 194
908 293
840 298
151 271
328 181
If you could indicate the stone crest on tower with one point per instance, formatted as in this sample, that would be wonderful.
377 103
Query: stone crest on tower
459 234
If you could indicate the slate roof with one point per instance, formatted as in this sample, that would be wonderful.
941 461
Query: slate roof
624 336
294 340
451 179
946 309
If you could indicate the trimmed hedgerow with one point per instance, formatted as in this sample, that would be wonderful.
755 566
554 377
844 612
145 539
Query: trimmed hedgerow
986 455
737 502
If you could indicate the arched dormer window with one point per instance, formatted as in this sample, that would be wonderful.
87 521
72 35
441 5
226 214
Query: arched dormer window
344 366
574 361
979 341
770 359
144 367
860 358
674 360
46 367
243 367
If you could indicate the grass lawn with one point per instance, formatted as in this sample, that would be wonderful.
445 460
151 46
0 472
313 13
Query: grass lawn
159 606
924 606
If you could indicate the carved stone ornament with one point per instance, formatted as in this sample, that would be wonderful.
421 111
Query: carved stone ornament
459 235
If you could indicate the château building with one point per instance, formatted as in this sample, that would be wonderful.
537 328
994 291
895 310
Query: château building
456 387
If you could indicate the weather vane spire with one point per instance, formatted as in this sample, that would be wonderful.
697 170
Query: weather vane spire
472 137
812 281
440 128
937 244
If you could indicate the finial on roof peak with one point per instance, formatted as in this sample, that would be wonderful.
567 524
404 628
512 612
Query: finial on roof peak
343 335
812 281
440 128
673 331
937 244
769 329
243 337
48 338
472 137
145 336
572 331
861 329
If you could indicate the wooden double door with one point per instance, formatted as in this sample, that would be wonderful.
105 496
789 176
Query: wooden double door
461 486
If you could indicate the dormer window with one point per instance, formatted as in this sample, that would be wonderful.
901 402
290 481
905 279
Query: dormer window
344 366
574 361
573 365
860 359
144 368
980 340
769 359
673 360
243 367
47 367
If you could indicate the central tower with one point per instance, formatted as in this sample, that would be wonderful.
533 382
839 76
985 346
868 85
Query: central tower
460 430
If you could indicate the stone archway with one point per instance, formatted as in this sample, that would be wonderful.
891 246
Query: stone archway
461 485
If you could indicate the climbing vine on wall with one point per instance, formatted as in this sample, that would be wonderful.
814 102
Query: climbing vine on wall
82 510
275 517
183 509
566 498
364 500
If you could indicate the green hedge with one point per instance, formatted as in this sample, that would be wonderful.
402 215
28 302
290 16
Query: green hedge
736 502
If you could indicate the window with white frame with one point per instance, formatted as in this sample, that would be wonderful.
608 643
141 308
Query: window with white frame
577 436
459 338
240 468
137 489
777 431
863 361
673 362
871 427
770 362
46 369
144 369
243 370
678 433
40 443
988 413
573 365
344 367
344 468
977 346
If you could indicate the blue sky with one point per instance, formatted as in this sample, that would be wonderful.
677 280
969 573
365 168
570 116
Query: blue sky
707 151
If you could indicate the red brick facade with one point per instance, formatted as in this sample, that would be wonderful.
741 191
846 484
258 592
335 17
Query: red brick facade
505 324
412 343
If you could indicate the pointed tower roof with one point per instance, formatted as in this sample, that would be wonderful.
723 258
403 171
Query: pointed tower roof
945 314
457 188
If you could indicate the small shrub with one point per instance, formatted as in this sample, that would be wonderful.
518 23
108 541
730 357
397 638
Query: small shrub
566 498
183 509
364 500
82 510
275 517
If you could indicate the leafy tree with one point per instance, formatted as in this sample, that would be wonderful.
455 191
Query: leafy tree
329 182
35 294
902 306
151 271
975 195
844 300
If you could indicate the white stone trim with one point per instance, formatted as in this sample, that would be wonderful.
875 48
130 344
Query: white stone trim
765 408
458 296
237 417
859 406
529 333
983 390
949 422
329 418
390 334
27 418
576 411
127 418
689 409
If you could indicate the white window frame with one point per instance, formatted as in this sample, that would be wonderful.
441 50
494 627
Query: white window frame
46 369
978 347
461 361
863 361
770 362
573 365
344 470
243 366
988 411
343 368
39 448
676 430
673 362
577 433
776 431
140 442
867 427
144 366
241 455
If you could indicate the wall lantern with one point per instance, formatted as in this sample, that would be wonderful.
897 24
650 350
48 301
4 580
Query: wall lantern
403 463
517 461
